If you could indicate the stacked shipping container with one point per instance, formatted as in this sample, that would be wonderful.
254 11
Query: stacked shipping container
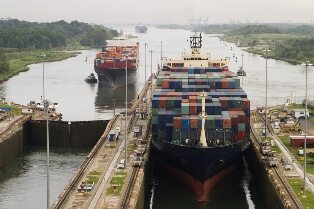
176 106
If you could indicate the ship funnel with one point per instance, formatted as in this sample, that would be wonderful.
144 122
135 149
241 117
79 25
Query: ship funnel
203 116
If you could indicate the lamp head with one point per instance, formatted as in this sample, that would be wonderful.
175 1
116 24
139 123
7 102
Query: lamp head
307 63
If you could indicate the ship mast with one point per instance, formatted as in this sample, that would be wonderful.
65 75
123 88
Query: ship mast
203 142
196 43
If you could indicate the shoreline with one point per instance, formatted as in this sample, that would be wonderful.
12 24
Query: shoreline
13 71
257 50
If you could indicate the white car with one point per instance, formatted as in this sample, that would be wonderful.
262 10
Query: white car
121 164
288 167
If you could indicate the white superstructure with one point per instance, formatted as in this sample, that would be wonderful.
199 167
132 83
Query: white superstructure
195 57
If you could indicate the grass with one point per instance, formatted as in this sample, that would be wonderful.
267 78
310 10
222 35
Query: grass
132 147
116 183
300 159
93 176
273 42
300 106
276 149
19 61
307 198
14 110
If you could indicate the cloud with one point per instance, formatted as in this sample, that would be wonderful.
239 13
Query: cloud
161 11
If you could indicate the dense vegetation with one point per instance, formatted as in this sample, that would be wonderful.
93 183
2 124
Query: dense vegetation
4 64
22 43
24 35
294 44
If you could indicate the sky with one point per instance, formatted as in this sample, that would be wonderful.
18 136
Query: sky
160 11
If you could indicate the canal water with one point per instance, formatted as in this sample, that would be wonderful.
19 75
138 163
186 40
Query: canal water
23 181
238 191
25 177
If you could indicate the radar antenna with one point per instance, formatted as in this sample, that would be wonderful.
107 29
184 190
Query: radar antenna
196 41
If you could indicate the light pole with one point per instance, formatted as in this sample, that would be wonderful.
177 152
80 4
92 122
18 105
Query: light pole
126 110
69 123
114 106
43 56
161 54
151 64
242 71
157 61
160 49
145 61
307 64
266 51
46 105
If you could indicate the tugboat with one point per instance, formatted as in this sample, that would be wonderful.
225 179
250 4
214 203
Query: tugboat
241 72
91 78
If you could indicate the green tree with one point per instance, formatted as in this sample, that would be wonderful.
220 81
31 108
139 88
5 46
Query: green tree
4 64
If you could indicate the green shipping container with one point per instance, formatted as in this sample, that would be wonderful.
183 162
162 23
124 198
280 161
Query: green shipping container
184 109
159 81
154 120
155 111
241 126
209 122
238 103
169 104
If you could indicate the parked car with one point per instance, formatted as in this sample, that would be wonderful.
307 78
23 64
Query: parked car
121 164
288 167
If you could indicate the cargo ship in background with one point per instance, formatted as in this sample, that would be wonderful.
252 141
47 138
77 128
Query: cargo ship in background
200 119
140 29
117 56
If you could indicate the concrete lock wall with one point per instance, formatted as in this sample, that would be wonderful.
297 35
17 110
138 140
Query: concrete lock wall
268 191
61 133
10 148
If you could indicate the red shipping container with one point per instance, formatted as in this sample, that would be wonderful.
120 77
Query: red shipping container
177 122
198 82
225 84
162 102
194 123
246 102
192 99
241 134
193 108
226 123
223 101
165 84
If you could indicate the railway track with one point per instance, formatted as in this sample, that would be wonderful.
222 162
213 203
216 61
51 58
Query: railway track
291 194
129 189
126 197
61 200
290 201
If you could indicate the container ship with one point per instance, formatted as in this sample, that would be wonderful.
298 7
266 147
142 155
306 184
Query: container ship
117 56
140 29
200 119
